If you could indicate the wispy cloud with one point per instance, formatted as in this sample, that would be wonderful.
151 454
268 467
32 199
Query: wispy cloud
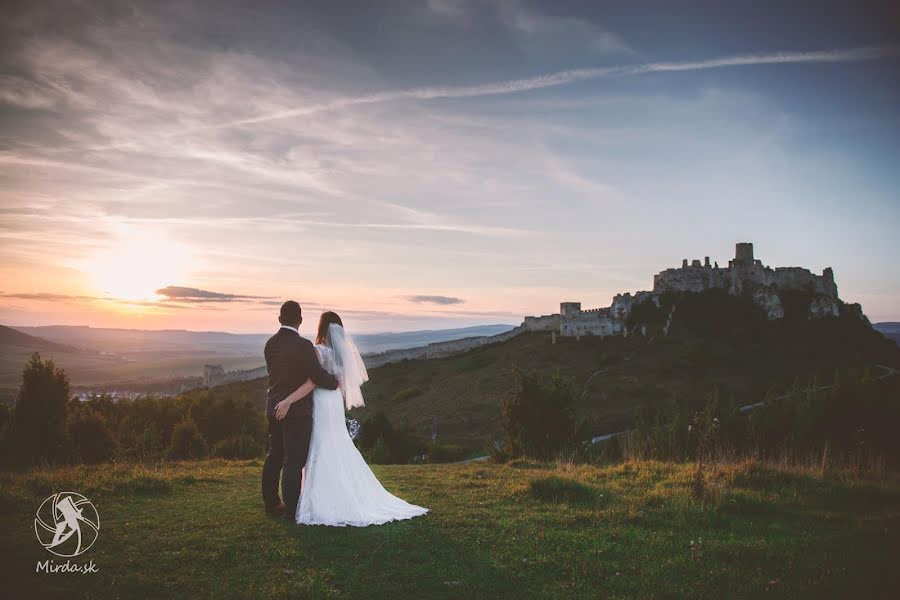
194 295
81 299
571 76
441 300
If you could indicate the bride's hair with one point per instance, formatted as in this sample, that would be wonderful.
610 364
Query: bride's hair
327 318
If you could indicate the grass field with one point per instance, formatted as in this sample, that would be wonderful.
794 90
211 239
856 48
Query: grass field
518 530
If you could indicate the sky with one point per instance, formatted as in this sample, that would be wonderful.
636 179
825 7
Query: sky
425 165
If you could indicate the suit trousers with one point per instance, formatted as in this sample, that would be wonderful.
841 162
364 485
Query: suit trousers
288 450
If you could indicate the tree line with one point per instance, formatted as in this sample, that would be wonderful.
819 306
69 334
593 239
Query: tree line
851 421
47 426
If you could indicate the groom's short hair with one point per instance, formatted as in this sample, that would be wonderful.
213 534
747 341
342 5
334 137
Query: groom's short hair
290 313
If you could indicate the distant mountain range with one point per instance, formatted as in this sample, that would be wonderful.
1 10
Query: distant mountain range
94 356
890 330
132 341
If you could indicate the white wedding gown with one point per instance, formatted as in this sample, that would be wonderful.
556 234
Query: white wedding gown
339 488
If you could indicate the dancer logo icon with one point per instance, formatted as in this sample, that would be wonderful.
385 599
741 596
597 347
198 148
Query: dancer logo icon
67 524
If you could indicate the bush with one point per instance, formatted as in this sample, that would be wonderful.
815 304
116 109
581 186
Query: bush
148 445
379 454
238 447
443 453
538 419
187 442
377 427
93 440
557 489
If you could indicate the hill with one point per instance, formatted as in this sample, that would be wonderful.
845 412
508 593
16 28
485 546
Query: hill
716 341
522 530
10 337
134 341
889 330
15 349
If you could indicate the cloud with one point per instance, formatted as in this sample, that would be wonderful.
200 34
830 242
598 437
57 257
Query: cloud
48 297
78 299
442 300
571 76
533 31
193 295
542 29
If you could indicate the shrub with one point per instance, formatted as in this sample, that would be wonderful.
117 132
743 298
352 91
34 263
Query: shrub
148 445
187 442
238 447
93 440
374 428
538 419
442 453
379 454
557 489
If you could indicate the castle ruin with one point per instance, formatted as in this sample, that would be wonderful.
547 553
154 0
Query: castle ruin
743 274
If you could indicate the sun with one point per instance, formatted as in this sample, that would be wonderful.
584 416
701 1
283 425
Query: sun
138 266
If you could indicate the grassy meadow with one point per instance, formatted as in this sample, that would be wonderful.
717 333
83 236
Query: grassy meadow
522 529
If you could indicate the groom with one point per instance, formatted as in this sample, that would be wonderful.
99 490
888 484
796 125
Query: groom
291 360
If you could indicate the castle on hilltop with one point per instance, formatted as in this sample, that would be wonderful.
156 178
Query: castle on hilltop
744 274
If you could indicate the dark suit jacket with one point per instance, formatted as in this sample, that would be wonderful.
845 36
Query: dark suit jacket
291 359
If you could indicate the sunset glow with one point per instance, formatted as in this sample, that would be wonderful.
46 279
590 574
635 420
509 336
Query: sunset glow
549 157
138 267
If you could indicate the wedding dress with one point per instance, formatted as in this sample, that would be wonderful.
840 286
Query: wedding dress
339 488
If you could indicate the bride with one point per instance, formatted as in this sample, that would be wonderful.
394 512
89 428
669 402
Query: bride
338 487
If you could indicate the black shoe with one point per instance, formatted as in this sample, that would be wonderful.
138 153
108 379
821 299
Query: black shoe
278 510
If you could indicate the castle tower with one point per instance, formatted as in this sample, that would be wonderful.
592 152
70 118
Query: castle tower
569 309
743 252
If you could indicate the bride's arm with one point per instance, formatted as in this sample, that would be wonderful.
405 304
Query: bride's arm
282 408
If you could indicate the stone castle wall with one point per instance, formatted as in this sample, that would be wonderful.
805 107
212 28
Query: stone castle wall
545 323
441 349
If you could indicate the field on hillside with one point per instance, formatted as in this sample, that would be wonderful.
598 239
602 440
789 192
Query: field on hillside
520 530
614 377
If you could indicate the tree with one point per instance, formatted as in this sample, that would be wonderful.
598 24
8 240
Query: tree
148 445
39 420
374 428
187 442
539 419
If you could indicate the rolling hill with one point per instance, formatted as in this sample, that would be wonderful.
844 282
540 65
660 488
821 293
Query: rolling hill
13 338
717 342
